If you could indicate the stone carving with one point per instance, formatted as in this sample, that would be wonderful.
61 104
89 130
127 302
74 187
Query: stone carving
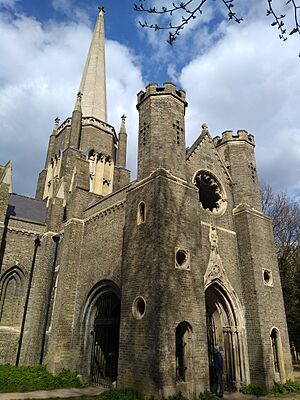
215 268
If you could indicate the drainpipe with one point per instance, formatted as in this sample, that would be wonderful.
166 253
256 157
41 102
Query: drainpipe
56 239
37 243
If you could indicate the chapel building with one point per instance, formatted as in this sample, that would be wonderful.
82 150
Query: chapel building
135 282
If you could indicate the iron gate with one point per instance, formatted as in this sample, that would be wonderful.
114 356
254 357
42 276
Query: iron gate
104 360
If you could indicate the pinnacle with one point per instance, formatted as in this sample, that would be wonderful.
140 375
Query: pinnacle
123 126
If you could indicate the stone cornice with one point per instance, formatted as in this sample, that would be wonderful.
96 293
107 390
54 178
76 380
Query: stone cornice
74 221
161 173
245 208
24 231
105 211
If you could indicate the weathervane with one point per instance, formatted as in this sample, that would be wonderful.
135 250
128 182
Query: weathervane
101 8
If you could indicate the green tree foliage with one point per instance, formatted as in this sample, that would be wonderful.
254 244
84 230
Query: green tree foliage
285 214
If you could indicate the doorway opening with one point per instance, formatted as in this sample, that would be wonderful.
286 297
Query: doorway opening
222 330
183 336
105 348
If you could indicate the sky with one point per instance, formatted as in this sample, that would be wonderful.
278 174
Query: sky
236 76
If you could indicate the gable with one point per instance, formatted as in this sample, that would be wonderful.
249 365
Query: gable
204 156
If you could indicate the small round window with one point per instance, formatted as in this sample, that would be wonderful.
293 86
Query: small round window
138 307
182 258
211 195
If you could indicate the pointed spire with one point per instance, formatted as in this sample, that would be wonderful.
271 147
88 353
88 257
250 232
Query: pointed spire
93 82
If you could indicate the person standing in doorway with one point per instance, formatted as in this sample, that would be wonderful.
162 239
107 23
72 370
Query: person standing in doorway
218 373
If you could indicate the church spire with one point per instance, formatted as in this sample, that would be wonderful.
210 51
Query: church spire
93 81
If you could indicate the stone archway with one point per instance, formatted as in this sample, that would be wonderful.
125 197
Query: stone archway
101 322
223 329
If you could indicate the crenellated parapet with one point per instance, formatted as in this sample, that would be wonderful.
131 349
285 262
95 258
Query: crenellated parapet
229 136
169 88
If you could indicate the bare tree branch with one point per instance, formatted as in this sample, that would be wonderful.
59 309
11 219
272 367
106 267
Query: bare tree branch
192 8
189 15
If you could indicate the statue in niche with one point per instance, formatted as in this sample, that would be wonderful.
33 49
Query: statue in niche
92 168
214 269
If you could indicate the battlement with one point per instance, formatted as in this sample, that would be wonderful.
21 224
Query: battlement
169 88
228 136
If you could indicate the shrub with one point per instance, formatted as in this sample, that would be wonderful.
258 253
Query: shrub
25 378
284 388
120 394
207 395
253 389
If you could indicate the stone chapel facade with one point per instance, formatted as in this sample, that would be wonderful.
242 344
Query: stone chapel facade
134 282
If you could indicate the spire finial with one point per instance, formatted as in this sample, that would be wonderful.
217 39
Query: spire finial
101 9
204 127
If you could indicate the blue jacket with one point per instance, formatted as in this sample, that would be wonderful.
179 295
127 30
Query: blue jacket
218 362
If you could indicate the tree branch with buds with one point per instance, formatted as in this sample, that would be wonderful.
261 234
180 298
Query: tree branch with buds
191 9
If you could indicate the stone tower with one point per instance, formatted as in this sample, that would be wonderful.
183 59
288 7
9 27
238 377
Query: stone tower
134 283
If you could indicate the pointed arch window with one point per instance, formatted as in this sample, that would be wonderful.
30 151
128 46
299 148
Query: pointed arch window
11 297
274 340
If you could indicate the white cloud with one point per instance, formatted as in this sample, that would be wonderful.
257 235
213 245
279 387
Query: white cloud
10 4
124 81
240 77
250 80
40 70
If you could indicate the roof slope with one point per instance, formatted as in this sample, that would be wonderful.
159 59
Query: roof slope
26 208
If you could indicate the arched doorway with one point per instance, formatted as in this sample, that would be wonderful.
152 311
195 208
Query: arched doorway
105 349
101 324
223 330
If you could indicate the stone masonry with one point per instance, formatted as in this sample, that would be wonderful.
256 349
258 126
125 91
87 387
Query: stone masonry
135 282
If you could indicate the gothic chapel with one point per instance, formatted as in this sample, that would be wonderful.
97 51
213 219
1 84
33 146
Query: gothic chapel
133 283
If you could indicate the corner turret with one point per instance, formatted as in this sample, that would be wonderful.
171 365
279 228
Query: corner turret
238 153
161 130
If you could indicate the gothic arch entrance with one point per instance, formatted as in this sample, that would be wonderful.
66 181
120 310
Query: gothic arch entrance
223 329
102 325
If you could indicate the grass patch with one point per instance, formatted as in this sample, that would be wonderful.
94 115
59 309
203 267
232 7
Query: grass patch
120 394
26 379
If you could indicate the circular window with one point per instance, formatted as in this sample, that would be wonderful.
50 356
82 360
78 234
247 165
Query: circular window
138 307
210 192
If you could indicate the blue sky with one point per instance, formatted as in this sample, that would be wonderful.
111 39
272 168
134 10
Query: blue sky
236 77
